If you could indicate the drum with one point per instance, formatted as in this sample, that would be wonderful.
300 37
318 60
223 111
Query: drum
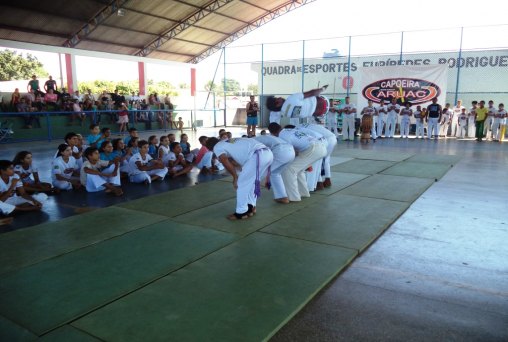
322 105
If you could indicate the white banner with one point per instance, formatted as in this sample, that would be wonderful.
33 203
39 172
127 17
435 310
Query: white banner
415 84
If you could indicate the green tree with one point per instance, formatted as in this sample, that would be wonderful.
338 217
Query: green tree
14 66
253 88
231 86
126 87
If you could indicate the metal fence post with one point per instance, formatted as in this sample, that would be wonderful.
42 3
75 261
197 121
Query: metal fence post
348 67
224 86
303 65
262 80
458 66
401 46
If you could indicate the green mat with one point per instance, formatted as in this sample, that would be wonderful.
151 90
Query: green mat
373 154
421 170
346 221
51 293
10 332
436 158
268 211
28 246
183 200
395 188
244 292
340 180
363 166
68 333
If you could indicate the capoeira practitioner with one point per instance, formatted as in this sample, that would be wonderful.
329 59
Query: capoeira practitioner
434 111
380 119
491 114
331 142
313 175
283 154
393 110
275 117
308 150
499 126
419 122
255 160
369 116
457 110
471 120
348 112
462 122
405 119
445 121
331 119
296 106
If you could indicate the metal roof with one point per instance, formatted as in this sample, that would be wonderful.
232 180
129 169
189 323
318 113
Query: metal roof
178 30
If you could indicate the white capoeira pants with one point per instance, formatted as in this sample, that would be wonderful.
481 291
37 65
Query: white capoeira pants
283 154
454 126
294 174
348 126
10 204
380 123
247 179
145 175
331 123
206 161
96 183
462 130
419 128
433 127
496 128
471 127
373 130
487 126
443 129
404 126
391 122
275 117
64 185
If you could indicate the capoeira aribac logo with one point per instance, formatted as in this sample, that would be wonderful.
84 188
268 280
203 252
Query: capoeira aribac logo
413 90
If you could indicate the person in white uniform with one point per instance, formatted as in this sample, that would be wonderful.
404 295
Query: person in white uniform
471 120
491 114
419 122
392 110
445 121
296 106
308 150
283 154
255 159
275 117
499 123
456 112
380 119
348 111
144 169
12 195
313 175
98 175
65 172
331 142
331 118
405 119
462 123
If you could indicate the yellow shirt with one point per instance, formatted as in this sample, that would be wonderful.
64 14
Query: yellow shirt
481 113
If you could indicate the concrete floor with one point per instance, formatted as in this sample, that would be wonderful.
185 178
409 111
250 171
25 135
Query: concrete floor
439 273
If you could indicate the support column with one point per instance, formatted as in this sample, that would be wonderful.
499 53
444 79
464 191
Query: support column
70 68
142 78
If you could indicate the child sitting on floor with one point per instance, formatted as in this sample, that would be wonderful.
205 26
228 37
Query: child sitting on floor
144 169
28 174
13 196
65 174
97 175
177 164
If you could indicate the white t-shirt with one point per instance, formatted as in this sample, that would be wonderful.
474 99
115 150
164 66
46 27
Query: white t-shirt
97 167
5 186
369 111
318 129
406 111
350 108
240 149
60 166
275 117
457 111
297 138
133 168
19 169
172 156
296 106
270 141
445 116
492 111
462 118
417 114
381 109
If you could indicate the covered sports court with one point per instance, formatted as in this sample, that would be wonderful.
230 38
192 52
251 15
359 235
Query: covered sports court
407 244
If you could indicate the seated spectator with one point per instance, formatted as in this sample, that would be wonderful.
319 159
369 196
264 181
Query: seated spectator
77 97
152 146
177 164
120 151
98 175
51 98
172 138
29 175
13 196
186 148
89 96
88 108
15 99
163 150
203 157
65 173
23 107
133 133
106 151
95 136
106 135
77 113
144 169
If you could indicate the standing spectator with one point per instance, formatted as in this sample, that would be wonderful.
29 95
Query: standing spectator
33 85
252 116
434 111
170 107
456 111
50 84
123 118
481 116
